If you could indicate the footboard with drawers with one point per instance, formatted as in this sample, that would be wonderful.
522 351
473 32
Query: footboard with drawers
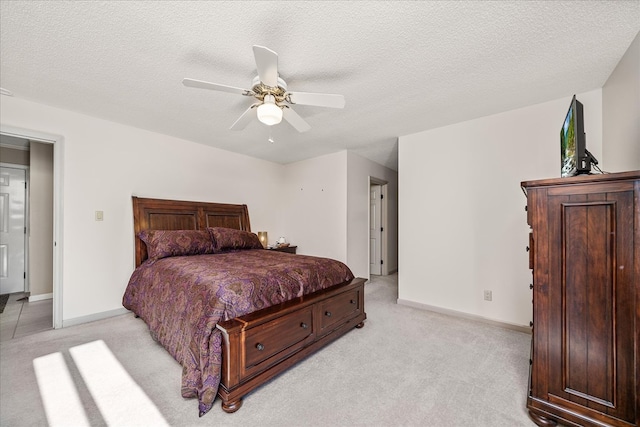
260 345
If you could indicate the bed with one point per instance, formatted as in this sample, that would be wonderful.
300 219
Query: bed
232 314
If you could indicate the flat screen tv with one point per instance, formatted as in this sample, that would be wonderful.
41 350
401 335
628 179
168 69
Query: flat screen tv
575 159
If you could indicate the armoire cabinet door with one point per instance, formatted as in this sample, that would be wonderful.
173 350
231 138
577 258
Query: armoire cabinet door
590 318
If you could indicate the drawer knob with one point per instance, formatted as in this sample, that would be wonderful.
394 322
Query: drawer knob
531 324
531 286
327 313
352 301
528 249
304 325
260 347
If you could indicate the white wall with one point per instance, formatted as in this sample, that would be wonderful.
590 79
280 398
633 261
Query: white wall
313 206
105 163
621 113
325 208
41 219
359 170
462 223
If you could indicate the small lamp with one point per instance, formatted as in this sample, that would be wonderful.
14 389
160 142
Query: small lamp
268 112
262 236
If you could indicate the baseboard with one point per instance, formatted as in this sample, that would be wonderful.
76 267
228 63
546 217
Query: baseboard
40 297
475 317
93 317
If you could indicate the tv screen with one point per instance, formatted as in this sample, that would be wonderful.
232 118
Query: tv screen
573 154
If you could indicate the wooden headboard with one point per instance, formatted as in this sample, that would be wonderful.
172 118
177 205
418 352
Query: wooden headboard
159 214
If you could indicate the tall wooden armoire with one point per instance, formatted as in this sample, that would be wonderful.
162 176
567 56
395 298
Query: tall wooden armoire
585 254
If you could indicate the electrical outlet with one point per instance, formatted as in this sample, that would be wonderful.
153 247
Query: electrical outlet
487 295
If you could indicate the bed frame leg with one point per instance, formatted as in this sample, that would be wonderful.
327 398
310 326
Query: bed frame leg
231 407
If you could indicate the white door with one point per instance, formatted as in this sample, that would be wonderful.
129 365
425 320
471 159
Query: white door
375 230
12 229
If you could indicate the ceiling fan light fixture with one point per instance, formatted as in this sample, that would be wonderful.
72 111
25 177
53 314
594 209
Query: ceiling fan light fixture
268 112
274 101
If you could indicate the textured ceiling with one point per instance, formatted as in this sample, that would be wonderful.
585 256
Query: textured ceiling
403 67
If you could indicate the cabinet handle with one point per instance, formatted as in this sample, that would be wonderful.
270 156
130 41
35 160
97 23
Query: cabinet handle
260 347
352 301
327 313
304 325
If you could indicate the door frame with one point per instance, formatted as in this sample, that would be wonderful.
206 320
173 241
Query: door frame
58 208
384 252
27 223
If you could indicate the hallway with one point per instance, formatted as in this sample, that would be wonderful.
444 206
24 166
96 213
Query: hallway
21 318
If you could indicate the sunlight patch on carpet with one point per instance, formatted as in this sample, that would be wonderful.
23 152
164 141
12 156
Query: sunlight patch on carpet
119 398
62 404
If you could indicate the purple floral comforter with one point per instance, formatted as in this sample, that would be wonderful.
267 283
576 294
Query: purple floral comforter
182 298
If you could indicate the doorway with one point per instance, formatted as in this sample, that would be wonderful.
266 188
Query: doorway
377 227
375 230
13 228
55 214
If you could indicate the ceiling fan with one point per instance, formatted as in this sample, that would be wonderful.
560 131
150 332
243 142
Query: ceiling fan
274 101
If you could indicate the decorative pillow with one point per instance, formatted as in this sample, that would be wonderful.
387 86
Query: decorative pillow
166 243
226 239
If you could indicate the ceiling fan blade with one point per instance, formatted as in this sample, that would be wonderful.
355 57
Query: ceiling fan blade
295 120
318 99
246 117
215 86
267 65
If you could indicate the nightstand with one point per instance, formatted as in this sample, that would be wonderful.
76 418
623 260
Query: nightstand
288 249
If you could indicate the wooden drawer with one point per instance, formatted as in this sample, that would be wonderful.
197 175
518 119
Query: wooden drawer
334 311
285 341
531 249
288 249
261 343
